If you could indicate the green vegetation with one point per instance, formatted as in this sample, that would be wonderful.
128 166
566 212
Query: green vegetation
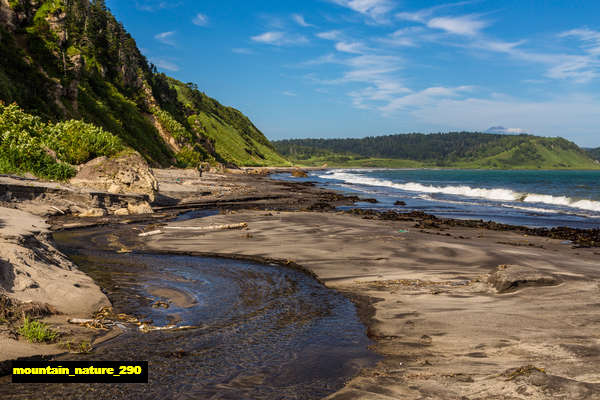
594 153
71 59
451 150
37 332
27 144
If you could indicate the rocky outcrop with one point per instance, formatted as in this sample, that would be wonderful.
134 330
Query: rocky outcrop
120 175
6 15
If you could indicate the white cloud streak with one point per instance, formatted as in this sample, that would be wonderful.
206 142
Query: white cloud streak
200 20
299 19
166 38
279 38
377 10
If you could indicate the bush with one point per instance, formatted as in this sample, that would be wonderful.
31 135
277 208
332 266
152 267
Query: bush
77 142
169 123
27 144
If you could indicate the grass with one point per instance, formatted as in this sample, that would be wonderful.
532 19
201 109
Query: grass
232 146
37 332
83 347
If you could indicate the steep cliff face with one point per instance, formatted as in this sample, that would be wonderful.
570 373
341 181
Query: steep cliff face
71 59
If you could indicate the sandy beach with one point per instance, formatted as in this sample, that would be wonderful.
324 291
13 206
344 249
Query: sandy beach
456 312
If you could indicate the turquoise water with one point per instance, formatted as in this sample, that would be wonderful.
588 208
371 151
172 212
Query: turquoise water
531 198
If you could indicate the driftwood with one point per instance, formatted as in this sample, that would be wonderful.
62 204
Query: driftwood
58 209
152 233
209 228
80 321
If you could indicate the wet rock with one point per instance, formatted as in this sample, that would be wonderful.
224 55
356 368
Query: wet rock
508 278
298 173
400 203
125 174
140 208
372 201
122 212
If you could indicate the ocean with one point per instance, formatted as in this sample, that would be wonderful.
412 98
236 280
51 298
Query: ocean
527 198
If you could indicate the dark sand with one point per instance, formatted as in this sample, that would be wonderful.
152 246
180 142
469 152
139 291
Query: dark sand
445 331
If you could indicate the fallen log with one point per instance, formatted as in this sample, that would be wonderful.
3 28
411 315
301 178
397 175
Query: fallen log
151 233
209 228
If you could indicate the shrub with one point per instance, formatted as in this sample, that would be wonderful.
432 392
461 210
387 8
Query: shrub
169 123
27 144
77 142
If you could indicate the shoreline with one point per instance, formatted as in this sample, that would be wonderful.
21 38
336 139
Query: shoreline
373 292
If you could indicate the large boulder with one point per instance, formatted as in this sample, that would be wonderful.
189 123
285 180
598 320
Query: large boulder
127 173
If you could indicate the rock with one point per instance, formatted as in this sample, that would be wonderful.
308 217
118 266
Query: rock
114 189
140 208
400 203
508 278
127 173
93 212
121 212
372 201
298 173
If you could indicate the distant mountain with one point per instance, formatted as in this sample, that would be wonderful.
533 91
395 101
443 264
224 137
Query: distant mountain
505 131
71 59
456 150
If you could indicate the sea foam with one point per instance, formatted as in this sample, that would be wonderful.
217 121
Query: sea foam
496 194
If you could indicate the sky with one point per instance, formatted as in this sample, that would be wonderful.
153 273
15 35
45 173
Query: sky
355 68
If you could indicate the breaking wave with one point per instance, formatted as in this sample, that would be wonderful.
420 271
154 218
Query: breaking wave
466 191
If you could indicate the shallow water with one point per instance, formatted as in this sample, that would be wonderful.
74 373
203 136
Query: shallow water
264 332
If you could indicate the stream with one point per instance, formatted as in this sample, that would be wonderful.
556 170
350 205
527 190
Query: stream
260 331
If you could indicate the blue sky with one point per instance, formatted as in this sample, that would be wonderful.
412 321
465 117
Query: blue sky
354 68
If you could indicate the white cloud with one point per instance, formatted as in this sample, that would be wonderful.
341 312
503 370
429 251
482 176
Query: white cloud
468 25
299 19
166 38
350 47
375 9
330 35
155 5
200 20
289 93
423 14
278 38
165 64
424 97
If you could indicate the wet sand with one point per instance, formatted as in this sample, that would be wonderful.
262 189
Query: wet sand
444 330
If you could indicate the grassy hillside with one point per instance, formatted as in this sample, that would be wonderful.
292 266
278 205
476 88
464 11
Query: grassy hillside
71 59
594 153
452 150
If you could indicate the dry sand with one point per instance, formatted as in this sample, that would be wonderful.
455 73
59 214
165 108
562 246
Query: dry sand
445 332
33 270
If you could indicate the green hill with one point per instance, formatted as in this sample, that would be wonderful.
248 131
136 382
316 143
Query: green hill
594 153
451 150
71 59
